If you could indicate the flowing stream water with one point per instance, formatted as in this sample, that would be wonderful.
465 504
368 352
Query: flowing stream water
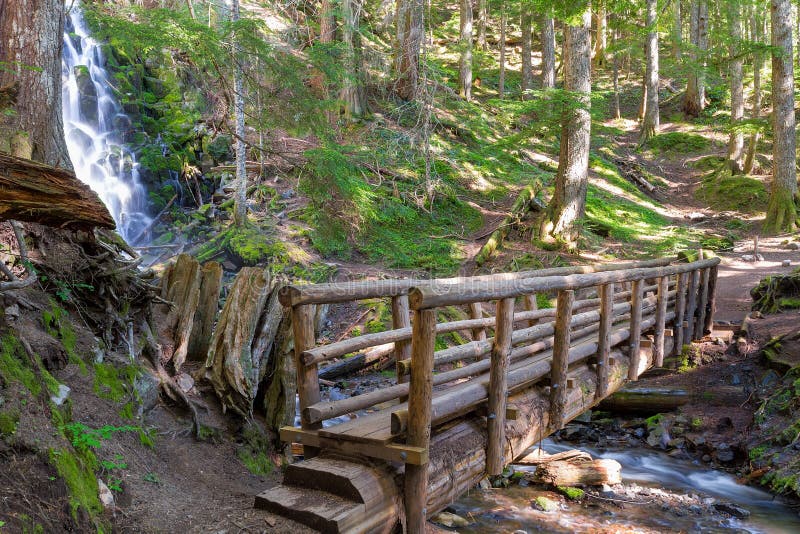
95 125
508 510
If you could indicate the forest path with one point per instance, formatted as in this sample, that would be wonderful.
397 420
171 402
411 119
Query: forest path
736 275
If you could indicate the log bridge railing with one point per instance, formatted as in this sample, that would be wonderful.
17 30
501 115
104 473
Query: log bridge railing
601 313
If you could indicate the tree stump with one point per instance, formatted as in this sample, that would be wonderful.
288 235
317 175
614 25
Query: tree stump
229 366
281 384
206 313
181 286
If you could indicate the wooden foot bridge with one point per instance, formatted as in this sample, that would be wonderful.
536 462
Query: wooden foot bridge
464 412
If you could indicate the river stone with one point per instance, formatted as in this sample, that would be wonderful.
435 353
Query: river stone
450 520
544 504
88 94
732 509
724 453
146 386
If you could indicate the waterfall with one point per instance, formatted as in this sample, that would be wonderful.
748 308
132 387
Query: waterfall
95 126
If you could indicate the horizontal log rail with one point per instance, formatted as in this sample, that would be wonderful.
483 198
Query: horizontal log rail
523 348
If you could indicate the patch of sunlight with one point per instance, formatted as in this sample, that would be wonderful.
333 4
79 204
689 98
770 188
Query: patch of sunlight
603 184
297 254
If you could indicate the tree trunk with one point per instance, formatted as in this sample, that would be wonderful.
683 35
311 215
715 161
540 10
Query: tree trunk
483 20
31 35
501 85
240 208
600 26
526 20
695 98
408 73
677 32
615 77
651 115
353 94
569 198
757 28
736 144
548 53
465 60
781 213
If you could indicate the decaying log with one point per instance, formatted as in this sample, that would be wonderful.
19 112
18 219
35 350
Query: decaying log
521 206
229 365
206 313
579 473
357 362
266 334
180 286
652 400
34 192
538 457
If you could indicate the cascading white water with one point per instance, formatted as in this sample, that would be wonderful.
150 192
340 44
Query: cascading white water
95 125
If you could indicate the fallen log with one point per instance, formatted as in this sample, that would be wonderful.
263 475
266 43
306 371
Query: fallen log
521 206
579 473
357 362
538 457
34 192
652 400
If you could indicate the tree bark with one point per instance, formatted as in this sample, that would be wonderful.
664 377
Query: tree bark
31 35
677 32
483 20
526 20
600 37
240 205
501 85
353 94
736 143
695 99
548 53
465 59
569 198
206 314
781 213
567 473
408 66
180 286
651 116
757 29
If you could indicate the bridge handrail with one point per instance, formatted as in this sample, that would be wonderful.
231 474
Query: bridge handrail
435 295
336 292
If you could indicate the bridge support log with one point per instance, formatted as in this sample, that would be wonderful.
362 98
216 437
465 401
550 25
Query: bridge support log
307 375
699 330
475 312
712 297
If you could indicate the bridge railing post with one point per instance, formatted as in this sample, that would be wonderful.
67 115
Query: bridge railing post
303 329
680 311
401 318
420 393
712 297
498 388
531 305
635 329
662 298
691 306
603 343
699 330
558 367
476 312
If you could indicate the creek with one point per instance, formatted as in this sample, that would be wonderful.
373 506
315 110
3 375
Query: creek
659 494
96 127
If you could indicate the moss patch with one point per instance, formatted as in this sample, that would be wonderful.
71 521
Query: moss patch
14 365
725 192
679 142
78 474
573 494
